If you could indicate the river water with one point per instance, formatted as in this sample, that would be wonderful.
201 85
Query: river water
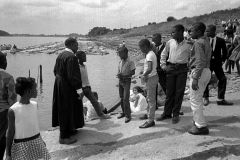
102 72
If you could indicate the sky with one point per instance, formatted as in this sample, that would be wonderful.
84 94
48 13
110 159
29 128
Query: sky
80 16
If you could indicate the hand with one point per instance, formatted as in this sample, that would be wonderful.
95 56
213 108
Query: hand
119 75
86 89
195 84
164 68
144 78
81 95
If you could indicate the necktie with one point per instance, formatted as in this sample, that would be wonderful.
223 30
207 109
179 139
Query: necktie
212 43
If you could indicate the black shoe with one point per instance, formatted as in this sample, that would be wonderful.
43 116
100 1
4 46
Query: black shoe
121 115
175 119
162 117
224 102
143 117
198 131
127 119
181 113
147 124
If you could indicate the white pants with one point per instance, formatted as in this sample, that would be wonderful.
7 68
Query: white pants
196 97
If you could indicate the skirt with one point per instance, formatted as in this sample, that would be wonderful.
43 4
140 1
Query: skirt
30 150
235 56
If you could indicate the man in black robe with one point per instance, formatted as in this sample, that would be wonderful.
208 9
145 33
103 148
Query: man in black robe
67 109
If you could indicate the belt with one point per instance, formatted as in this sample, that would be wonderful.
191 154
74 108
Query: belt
177 64
26 139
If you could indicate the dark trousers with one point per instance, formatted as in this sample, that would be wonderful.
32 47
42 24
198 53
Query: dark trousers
175 87
162 79
124 93
3 129
216 66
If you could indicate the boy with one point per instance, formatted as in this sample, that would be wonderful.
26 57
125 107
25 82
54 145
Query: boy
126 69
200 76
150 78
81 56
89 111
7 98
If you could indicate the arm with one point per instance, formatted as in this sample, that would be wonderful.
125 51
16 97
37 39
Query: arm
224 51
149 69
200 59
73 72
136 101
12 96
10 132
164 55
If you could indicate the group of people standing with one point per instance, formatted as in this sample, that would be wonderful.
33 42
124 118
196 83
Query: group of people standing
169 64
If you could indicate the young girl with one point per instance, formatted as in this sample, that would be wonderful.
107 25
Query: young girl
137 100
23 136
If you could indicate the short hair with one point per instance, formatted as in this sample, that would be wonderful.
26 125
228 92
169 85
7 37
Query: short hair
158 35
23 84
70 41
229 32
179 27
212 27
200 26
79 54
144 42
122 49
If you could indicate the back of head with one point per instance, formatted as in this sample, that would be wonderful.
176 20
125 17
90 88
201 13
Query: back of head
122 50
79 54
139 89
212 27
157 35
23 84
70 41
201 26
145 42
179 27
229 32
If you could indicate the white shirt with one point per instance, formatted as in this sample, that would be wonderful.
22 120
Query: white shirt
84 75
150 57
26 121
214 42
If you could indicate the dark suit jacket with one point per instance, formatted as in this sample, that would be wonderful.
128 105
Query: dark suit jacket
158 54
220 51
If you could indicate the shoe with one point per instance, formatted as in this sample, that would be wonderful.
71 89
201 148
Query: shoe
147 124
198 131
105 116
175 119
67 141
73 132
181 113
120 115
205 101
224 102
143 117
127 119
162 117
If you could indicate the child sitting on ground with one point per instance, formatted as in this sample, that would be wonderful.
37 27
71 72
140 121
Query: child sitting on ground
23 136
89 111
137 100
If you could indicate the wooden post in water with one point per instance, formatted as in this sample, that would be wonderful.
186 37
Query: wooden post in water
41 74
29 73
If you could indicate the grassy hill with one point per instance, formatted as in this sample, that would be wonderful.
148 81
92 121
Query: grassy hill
132 36
3 33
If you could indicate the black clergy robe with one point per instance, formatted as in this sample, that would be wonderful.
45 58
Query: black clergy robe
67 109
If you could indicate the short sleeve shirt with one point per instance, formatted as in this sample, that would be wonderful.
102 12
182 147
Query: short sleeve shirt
125 67
151 57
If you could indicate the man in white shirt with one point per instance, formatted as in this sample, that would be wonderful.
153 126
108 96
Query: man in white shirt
178 52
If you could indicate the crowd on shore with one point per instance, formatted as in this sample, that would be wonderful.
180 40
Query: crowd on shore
166 64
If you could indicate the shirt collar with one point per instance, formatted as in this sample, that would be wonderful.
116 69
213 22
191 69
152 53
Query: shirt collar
69 50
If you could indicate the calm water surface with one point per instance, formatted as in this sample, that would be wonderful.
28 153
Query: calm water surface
102 72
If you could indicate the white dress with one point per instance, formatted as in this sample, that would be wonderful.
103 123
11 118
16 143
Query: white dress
142 104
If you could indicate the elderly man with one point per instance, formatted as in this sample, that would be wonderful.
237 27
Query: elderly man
67 109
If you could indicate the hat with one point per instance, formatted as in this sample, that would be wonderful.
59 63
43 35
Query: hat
2 57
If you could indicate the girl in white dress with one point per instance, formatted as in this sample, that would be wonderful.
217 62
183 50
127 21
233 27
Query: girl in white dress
137 100
24 141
